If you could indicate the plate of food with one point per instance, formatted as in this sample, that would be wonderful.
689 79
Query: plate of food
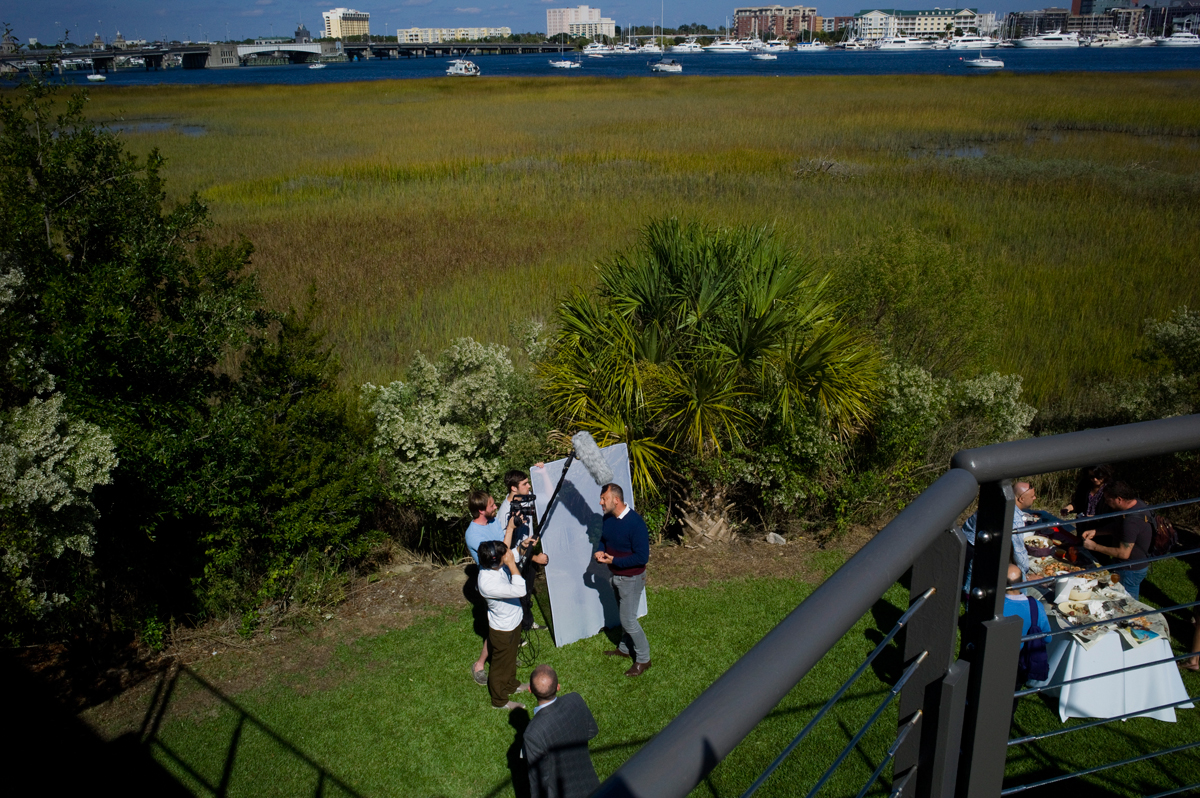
1038 546
1074 609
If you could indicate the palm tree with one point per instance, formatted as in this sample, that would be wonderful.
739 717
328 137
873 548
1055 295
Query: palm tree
691 326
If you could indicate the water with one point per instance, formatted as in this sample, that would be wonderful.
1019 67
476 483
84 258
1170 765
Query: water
938 62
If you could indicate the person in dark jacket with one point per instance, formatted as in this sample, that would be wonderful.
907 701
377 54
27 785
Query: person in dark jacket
556 741
626 550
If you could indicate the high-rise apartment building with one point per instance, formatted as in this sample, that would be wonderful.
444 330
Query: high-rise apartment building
578 21
342 23
774 22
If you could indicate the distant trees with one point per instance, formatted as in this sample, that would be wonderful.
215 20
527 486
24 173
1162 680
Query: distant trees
189 445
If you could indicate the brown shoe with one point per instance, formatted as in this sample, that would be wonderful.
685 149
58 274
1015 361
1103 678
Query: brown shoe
616 652
638 668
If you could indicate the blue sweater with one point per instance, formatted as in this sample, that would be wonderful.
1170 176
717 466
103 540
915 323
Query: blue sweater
628 541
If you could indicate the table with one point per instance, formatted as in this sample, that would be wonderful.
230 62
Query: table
1121 693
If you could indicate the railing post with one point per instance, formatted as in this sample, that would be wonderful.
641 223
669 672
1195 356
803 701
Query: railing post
933 628
991 644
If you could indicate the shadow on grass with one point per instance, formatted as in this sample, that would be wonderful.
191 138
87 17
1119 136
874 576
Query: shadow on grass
325 782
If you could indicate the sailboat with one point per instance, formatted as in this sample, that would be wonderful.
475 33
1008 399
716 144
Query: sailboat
95 77
564 63
669 65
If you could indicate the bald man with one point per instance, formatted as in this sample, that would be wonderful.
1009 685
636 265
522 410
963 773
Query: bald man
556 741
1024 495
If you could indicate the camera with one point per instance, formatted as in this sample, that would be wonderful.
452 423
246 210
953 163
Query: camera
525 505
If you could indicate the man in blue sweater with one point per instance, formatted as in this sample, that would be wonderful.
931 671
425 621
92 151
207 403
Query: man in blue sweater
625 541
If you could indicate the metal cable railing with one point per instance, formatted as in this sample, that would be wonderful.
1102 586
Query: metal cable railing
883 644
1087 519
1098 769
901 736
1065 682
1109 622
1080 727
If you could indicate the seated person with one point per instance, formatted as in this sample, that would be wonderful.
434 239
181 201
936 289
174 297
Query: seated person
1125 538
1024 496
1028 609
1088 498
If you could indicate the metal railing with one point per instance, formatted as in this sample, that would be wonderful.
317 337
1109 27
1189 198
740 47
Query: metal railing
952 734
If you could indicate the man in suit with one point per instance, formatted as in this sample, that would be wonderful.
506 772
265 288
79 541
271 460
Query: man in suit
556 741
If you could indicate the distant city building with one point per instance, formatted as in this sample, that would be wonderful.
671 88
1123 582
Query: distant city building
926 22
302 35
97 43
342 23
1034 23
578 21
877 24
9 45
33 42
774 22
438 35
832 24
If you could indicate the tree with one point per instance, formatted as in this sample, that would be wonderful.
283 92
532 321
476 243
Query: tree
688 329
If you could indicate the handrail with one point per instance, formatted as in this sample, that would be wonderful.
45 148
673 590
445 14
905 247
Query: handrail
704 733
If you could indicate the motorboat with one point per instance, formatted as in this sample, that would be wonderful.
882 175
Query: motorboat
854 44
778 46
753 45
689 46
983 62
565 63
462 68
1050 41
666 65
972 41
649 48
316 66
902 43
1180 38
597 50
764 56
96 77
810 47
724 46
1117 39
939 44
624 49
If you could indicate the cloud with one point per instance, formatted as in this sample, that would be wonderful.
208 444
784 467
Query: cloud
471 10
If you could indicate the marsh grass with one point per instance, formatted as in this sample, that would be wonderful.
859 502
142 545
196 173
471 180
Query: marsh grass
426 210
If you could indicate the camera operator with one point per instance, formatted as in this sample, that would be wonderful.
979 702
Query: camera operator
520 488
486 524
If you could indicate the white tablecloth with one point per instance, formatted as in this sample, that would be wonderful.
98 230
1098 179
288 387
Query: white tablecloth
1120 693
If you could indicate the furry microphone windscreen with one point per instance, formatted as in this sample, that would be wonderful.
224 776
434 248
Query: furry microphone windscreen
588 453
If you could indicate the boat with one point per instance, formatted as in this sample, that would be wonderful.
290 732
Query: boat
1117 39
565 63
96 77
649 48
597 50
810 47
939 44
778 46
624 48
462 68
983 62
1050 41
1180 38
724 46
690 46
316 66
666 65
764 56
971 41
902 43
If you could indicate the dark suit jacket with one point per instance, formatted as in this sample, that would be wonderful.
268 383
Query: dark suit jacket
556 749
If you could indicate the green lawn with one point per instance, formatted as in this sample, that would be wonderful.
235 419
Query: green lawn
398 714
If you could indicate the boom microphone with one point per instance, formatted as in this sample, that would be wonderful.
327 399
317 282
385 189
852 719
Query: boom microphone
588 453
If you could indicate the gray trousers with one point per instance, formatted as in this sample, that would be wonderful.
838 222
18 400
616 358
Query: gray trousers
628 590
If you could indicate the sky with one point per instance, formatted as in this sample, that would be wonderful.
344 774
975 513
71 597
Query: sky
221 19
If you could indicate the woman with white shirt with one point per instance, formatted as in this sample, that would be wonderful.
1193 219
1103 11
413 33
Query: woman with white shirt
501 584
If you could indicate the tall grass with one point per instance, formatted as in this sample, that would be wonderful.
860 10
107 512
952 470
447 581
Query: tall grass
425 210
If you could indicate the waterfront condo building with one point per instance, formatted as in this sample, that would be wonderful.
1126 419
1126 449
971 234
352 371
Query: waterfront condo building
579 21
774 22
881 22
342 23
437 35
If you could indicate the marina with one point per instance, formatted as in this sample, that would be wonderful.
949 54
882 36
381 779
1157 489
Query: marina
791 63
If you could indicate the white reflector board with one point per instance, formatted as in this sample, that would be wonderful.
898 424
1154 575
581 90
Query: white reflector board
581 599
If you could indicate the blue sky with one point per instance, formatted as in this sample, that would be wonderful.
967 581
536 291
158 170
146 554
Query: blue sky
176 19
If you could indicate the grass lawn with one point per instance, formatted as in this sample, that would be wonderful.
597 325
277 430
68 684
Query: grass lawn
397 714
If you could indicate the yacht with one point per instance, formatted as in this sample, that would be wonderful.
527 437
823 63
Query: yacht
810 47
1118 39
777 46
724 46
624 48
666 65
690 46
1181 38
899 43
565 63
597 49
462 68
1050 41
650 48
754 45
972 41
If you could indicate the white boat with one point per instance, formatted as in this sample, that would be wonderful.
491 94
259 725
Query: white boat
462 68
624 49
690 46
1180 38
854 44
903 43
764 56
810 47
939 44
666 65
752 45
649 48
778 46
971 41
96 78
724 46
597 50
1117 39
316 66
1050 41
565 63
983 62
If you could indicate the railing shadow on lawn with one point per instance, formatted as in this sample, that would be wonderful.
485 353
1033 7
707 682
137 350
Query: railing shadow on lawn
326 782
